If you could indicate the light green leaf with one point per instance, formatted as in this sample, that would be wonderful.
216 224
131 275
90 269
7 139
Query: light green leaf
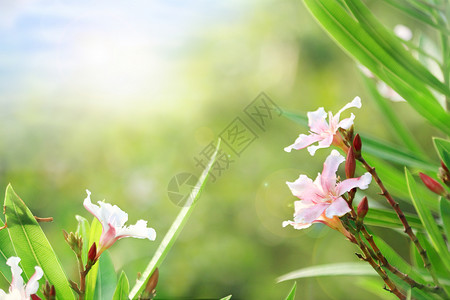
32 246
174 231
338 269
445 216
91 278
226 298
428 220
291 295
443 149
122 288
106 278
83 230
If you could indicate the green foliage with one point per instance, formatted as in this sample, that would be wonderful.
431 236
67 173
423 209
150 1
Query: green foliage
83 231
32 246
106 278
91 278
443 149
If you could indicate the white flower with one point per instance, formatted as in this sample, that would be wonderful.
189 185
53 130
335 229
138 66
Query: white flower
17 290
113 220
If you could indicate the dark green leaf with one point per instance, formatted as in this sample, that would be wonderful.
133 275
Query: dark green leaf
6 251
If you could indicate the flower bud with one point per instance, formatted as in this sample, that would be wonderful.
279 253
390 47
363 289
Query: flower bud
150 291
363 208
350 164
74 240
35 297
432 184
357 144
92 254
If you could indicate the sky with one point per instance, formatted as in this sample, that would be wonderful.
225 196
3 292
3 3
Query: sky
102 51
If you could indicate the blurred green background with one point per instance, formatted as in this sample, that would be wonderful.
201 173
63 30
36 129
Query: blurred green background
118 97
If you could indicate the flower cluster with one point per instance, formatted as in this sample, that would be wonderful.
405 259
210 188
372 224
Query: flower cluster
322 200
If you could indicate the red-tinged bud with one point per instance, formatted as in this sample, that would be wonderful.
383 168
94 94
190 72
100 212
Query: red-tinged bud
363 208
444 174
357 144
150 288
92 253
350 164
52 291
35 297
432 184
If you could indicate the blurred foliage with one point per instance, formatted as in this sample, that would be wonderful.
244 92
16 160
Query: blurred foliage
57 144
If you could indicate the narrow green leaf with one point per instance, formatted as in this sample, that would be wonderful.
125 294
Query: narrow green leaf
443 149
393 47
91 278
428 220
338 269
445 216
83 230
388 218
6 251
122 288
291 295
226 298
174 231
373 285
358 43
106 278
32 246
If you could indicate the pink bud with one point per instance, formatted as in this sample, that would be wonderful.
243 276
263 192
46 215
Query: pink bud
363 208
432 184
92 253
350 164
357 144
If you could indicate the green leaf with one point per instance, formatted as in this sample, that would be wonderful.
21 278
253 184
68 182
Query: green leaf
106 278
83 230
122 288
362 46
6 251
32 246
388 218
291 295
338 269
428 220
91 278
226 298
443 149
445 216
394 48
174 231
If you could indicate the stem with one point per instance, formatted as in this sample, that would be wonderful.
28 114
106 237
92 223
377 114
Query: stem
401 216
82 277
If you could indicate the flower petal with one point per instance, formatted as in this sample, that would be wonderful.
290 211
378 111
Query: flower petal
296 225
17 281
310 213
330 167
316 120
305 189
338 207
356 102
346 123
361 182
139 230
324 143
33 284
303 141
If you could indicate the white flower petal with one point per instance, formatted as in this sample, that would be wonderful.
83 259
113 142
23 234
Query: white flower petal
139 230
330 167
16 271
33 284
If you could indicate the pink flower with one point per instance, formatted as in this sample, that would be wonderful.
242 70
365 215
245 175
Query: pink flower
113 220
322 131
17 290
320 200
